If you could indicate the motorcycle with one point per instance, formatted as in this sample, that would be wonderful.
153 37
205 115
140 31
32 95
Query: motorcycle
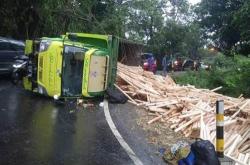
19 69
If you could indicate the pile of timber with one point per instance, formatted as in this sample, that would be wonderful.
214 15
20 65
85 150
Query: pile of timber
188 110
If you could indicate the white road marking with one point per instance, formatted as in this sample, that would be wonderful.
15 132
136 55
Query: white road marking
118 136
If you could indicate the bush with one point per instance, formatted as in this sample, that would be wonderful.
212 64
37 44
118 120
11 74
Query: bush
232 73
199 79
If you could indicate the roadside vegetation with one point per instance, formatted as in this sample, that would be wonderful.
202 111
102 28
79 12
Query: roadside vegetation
232 73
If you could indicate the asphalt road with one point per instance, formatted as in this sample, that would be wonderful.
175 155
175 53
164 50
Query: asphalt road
35 131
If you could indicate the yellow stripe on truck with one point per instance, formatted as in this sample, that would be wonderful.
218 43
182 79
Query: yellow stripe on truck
86 69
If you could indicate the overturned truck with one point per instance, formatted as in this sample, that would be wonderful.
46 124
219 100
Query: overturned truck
76 64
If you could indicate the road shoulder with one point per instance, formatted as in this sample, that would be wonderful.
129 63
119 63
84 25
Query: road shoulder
125 118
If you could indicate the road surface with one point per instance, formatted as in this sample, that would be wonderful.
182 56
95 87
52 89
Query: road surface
34 130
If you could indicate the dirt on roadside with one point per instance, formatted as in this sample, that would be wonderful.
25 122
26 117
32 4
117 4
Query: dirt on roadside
158 133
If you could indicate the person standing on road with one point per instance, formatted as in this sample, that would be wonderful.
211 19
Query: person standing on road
165 62
151 63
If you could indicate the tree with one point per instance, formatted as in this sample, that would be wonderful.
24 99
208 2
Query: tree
31 19
164 25
18 18
241 21
144 19
222 20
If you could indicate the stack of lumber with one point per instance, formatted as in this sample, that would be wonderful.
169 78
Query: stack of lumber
188 110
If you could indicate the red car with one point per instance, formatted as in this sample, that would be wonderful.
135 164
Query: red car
147 59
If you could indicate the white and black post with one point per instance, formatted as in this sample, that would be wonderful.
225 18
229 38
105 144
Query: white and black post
220 128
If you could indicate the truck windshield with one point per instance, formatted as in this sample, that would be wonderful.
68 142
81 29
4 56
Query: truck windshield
73 60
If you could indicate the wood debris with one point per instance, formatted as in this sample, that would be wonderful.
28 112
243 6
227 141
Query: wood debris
189 110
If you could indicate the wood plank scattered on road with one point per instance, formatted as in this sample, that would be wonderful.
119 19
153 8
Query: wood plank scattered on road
189 109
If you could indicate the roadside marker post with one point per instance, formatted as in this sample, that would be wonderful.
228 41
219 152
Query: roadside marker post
220 128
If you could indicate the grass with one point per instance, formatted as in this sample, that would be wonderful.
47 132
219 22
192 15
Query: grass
233 74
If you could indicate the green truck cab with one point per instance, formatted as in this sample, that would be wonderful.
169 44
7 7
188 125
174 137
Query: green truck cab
74 65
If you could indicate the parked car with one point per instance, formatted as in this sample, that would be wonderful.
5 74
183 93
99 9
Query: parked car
189 64
145 59
194 65
204 66
10 51
176 64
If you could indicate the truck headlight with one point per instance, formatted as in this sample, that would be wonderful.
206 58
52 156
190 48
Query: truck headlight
44 45
17 65
56 97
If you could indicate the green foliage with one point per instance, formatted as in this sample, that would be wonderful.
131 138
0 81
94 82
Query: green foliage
199 79
241 20
163 25
177 38
144 19
226 22
31 19
233 74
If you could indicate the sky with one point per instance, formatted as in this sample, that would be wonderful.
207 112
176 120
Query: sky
194 1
